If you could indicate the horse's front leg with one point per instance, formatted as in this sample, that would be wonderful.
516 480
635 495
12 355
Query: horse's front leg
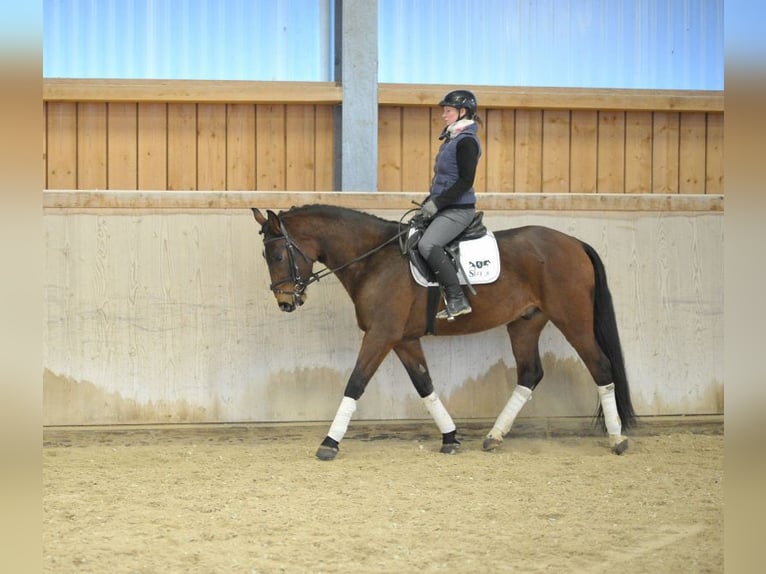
374 349
411 355
525 335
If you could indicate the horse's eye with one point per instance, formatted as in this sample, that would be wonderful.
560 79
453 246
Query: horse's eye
274 258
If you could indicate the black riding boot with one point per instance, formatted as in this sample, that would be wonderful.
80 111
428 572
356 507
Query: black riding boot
456 303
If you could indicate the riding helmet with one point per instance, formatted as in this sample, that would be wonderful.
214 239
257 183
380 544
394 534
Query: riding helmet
461 99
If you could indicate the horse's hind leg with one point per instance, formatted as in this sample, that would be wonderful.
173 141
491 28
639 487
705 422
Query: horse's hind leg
411 355
600 368
525 335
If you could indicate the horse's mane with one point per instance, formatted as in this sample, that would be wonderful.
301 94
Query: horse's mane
337 212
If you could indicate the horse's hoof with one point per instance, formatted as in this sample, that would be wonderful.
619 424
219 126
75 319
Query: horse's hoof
451 448
326 452
491 444
620 447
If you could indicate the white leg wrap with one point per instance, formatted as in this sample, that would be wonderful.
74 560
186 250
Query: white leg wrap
611 418
439 413
342 418
504 421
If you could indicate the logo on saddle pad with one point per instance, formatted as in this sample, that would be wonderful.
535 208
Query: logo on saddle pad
479 259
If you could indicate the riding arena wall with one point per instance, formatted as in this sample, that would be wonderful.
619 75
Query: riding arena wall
157 307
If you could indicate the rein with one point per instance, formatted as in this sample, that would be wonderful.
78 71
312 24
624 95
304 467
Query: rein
295 277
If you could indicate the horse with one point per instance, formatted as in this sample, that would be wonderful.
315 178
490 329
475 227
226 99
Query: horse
545 275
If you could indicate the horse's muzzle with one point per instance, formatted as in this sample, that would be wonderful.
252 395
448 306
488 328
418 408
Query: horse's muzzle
291 303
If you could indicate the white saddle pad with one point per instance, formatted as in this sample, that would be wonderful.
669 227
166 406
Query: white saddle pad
480 259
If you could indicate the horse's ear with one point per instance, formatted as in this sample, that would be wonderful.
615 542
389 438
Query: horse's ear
275 226
258 215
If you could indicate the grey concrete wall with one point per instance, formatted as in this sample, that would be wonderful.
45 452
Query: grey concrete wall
152 318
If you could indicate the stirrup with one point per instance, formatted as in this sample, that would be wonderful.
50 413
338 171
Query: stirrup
462 308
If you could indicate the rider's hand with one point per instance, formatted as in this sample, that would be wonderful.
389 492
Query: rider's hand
429 209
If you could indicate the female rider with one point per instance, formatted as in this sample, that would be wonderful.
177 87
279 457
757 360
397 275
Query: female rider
451 203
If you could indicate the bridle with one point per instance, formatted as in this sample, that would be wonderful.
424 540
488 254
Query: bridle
295 274
295 278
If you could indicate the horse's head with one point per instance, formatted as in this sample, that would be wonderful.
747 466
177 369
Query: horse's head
289 267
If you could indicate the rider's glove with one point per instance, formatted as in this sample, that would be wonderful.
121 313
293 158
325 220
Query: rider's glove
429 209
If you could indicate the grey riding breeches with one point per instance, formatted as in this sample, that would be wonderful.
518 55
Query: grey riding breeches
444 227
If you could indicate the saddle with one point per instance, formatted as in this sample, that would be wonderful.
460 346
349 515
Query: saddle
474 254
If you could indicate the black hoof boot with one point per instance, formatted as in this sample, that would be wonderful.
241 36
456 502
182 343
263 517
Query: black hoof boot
328 450
450 445
453 448
620 447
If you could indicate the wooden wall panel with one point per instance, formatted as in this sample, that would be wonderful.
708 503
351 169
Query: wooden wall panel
584 153
325 149
638 152
437 126
665 153
240 147
182 146
417 164
611 152
91 145
390 149
152 145
122 165
714 154
300 127
211 147
480 180
61 153
498 159
44 154
556 146
691 152
529 151
270 147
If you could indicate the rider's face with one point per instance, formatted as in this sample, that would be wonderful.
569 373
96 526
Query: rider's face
450 114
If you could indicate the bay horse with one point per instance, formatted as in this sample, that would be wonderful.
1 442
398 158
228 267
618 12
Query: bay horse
545 275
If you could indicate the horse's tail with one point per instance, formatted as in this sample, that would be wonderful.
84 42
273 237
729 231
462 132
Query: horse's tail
608 338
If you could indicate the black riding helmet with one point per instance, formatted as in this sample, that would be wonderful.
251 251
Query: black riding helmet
462 100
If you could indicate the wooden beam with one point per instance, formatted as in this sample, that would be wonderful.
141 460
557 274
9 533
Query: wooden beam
76 200
494 97
490 97
199 91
